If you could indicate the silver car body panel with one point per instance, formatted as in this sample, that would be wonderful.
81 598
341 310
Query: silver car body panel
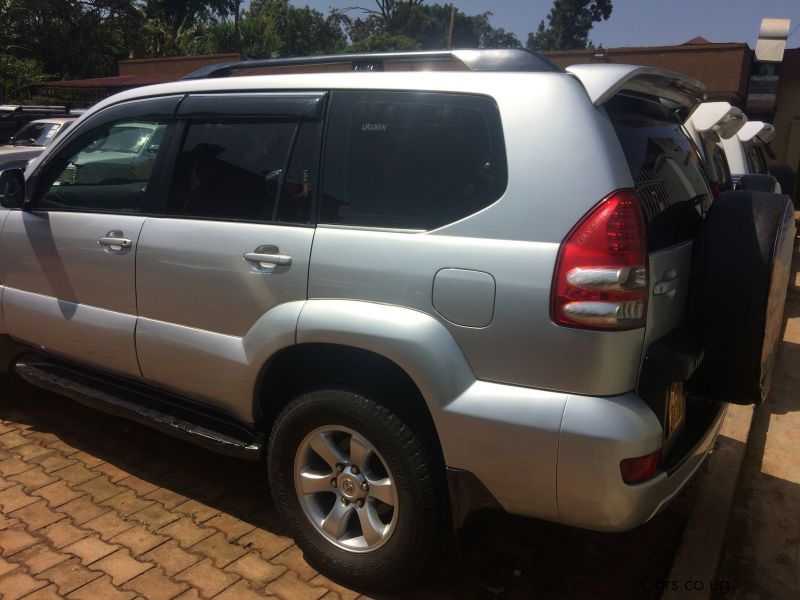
521 344
207 315
670 270
213 368
68 294
596 434
603 81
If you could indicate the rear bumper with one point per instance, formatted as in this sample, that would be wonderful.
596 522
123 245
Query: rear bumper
556 456
596 434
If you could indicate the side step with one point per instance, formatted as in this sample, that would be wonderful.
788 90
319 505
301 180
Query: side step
144 405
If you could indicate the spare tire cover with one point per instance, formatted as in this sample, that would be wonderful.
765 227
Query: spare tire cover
746 250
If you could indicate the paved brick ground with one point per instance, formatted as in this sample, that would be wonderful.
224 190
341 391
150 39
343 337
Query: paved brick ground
93 506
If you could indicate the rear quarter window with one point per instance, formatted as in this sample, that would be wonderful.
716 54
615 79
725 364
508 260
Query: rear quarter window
407 160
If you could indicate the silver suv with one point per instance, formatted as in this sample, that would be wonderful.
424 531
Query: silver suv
438 282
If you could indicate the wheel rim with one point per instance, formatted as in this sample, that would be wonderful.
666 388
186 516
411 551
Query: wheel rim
346 488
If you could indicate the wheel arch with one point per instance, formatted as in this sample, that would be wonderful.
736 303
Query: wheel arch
375 346
304 367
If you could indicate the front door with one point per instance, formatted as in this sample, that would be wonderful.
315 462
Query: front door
68 260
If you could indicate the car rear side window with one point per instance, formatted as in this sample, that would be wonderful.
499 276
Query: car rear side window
671 183
231 170
408 160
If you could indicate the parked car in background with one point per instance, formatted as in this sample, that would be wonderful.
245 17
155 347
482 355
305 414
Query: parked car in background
746 151
30 141
413 293
708 125
14 116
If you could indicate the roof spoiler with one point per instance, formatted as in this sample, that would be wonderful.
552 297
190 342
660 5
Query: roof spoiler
604 81
721 117
502 59
757 129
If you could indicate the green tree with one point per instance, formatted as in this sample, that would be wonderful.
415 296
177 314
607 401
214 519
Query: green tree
268 28
568 25
71 38
171 25
16 72
409 25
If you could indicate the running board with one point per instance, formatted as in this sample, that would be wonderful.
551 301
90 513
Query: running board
143 405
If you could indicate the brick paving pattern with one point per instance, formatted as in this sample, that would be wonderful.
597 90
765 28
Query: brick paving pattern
93 506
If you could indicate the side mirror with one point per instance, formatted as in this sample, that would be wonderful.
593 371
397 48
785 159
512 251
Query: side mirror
12 188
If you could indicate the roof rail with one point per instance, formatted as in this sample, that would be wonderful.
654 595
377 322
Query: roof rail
504 59
19 108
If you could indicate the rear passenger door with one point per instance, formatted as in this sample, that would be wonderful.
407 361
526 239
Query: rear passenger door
232 246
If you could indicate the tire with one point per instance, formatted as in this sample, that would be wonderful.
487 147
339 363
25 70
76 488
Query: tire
786 178
414 527
748 244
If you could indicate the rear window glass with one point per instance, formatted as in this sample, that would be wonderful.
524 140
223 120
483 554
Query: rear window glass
406 160
671 183
231 171
717 165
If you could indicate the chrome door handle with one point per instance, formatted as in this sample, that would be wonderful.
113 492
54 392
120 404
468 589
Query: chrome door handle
115 242
268 260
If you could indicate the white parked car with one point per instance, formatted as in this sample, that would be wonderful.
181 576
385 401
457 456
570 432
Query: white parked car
746 151
711 125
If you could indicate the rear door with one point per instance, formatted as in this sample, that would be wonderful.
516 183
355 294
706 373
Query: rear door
222 274
674 195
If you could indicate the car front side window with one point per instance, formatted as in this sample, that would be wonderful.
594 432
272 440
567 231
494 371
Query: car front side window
108 170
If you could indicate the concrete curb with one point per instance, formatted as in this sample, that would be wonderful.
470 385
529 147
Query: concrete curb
694 568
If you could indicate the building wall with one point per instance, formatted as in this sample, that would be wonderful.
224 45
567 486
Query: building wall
787 117
174 65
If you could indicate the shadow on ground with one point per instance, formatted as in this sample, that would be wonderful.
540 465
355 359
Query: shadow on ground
761 557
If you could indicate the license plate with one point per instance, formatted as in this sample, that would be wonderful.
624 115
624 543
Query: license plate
676 407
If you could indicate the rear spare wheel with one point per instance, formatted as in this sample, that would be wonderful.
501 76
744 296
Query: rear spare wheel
747 245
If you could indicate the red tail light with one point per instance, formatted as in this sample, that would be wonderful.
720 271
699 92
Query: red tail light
641 468
600 280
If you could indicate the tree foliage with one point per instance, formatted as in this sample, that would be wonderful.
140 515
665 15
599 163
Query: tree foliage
410 25
42 39
77 38
16 72
569 23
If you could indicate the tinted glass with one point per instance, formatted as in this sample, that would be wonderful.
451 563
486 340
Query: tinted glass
231 170
295 203
670 181
110 172
411 160
718 171
35 134
754 160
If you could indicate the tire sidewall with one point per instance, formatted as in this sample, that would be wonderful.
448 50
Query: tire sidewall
416 504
